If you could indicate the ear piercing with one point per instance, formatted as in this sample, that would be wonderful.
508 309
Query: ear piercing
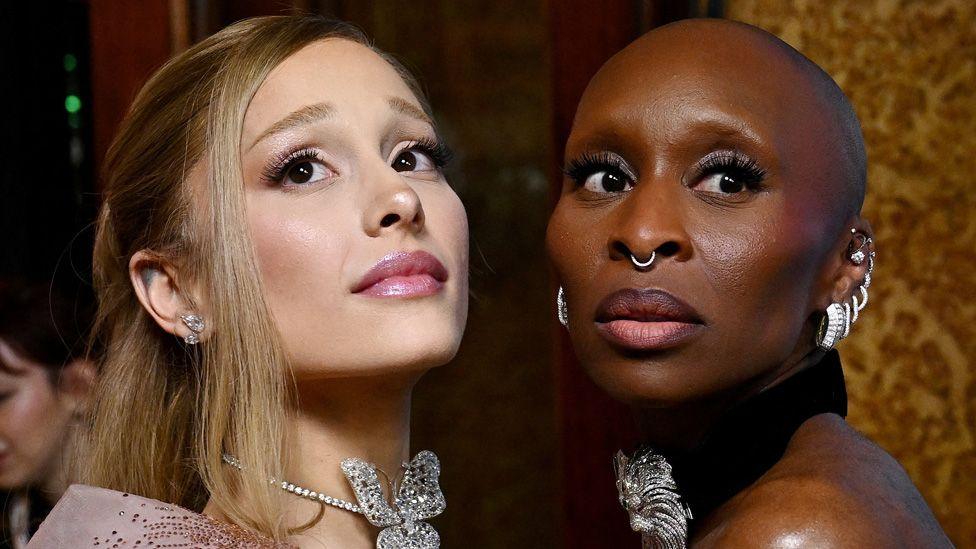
862 252
838 319
863 249
196 325
642 265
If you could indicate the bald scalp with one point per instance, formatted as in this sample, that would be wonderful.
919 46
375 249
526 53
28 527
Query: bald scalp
834 105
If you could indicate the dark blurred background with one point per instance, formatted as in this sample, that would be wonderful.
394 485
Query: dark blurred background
525 439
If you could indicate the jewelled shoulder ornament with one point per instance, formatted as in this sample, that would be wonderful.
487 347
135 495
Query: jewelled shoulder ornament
416 497
650 496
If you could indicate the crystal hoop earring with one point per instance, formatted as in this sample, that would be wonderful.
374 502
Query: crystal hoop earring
838 319
562 312
835 323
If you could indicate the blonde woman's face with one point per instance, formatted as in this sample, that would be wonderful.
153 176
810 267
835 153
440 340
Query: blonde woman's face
362 245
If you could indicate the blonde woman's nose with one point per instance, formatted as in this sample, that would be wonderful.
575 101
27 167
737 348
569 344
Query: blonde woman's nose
393 208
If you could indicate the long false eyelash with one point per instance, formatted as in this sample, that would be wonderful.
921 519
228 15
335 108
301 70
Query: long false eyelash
276 170
438 151
736 163
587 164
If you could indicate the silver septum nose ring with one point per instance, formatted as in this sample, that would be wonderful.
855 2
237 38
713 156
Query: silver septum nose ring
642 265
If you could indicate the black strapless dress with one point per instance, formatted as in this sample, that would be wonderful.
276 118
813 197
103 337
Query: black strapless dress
668 492
752 436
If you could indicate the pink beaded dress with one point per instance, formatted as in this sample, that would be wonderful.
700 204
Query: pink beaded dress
105 519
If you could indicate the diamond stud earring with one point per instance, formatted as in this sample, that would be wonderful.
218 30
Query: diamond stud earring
862 251
196 325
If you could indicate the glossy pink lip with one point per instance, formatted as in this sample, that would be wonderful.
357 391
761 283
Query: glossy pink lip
403 274
646 320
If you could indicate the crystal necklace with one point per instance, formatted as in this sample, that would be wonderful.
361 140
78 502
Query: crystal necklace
650 496
416 496
299 491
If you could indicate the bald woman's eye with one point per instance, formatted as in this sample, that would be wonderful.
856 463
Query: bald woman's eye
607 182
727 173
602 173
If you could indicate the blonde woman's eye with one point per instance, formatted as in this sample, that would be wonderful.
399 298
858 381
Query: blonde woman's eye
305 172
424 155
412 160
299 168
607 181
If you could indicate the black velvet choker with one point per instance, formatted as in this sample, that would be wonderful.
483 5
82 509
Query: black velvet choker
752 436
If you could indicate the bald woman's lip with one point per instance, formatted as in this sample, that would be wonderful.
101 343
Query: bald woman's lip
646 319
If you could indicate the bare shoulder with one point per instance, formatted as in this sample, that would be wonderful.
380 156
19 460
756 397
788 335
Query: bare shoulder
832 488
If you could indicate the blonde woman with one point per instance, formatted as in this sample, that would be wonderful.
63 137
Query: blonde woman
279 259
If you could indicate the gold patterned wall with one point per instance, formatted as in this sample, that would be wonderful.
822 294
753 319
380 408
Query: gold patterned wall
910 69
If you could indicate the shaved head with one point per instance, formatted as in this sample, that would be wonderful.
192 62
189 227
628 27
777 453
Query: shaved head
738 166
725 46
835 104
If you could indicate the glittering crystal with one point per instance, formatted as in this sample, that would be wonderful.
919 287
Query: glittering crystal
410 535
649 494
418 497
366 485
193 322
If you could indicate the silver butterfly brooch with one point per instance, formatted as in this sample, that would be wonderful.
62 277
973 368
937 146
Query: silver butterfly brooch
414 497
650 495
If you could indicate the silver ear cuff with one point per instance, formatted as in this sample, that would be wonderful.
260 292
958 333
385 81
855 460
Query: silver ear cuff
838 318
642 265
195 324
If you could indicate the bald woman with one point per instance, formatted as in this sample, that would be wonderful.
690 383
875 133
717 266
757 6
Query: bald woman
711 251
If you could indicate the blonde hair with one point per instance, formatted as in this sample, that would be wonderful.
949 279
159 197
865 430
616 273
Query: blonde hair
164 413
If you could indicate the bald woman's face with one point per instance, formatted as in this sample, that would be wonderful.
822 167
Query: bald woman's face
706 146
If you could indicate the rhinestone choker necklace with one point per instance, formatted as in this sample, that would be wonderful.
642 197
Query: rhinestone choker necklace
299 491
416 496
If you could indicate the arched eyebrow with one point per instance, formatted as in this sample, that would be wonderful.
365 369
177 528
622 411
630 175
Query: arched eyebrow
310 114
402 106
299 117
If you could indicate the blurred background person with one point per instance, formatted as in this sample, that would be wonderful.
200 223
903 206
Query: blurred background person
45 381
47 199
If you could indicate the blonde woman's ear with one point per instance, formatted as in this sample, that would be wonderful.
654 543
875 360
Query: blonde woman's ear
156 283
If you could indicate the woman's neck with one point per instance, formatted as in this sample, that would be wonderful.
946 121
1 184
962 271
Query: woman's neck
682 427
335 419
